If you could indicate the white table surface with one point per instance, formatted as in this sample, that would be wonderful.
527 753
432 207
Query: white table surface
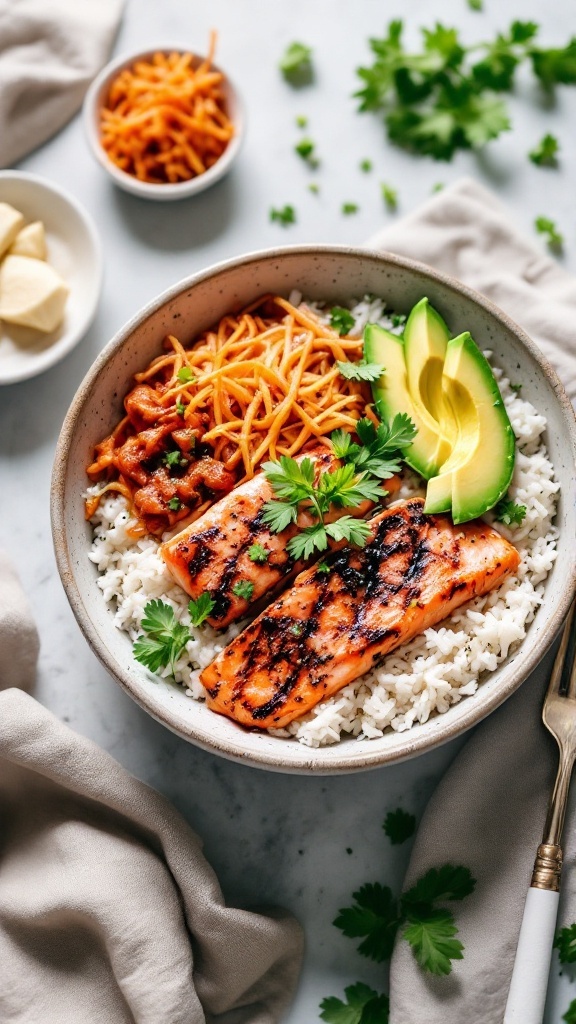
305 843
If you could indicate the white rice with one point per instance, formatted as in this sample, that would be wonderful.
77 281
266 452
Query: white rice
423 677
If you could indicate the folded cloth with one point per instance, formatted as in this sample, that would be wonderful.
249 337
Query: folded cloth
49 53
109 913
488 811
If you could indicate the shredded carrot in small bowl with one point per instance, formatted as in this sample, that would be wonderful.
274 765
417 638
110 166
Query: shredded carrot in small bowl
165 120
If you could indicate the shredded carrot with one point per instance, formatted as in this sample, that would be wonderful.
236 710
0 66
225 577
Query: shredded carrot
263 383
165 119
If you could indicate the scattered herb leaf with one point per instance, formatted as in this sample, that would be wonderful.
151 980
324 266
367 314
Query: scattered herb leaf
180 407
305 148
174 459
509 512
296 62
201 608
366 166
244 588
398 319
399 826
286 215
258 553
175 504
446 883
341 320
374 918
360 370
570 1015
296 629
545 226
565 943
516 387
349 208
545 154
185 375
432 939
475 5
165 637
322 567
301 121
363 1006
438 186
389 195
314 187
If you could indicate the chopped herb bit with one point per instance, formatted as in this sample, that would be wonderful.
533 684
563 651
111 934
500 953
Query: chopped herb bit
175 504
305 149
366 166
348 208
341 320
296 629
360 370
201 608
258 553
545 154
565 943
322 567
174 459
363 1006
296 62
508 512
389 195
438 186
570 1015
284 216
398 319
244 588
301 121
399 826
516 387
180 407
475 5
547 227
185 375
165 637
314 187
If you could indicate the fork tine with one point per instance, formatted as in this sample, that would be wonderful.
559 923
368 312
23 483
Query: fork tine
556 676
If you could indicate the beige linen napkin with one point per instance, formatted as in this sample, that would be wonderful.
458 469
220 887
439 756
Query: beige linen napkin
50 50
109 913
489 809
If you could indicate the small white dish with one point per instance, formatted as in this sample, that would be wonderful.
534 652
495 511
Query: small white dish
74 251
94 101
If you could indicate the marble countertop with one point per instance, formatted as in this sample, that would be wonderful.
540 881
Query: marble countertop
305 843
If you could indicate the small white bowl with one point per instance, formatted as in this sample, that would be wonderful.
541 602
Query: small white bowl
94 101
74 251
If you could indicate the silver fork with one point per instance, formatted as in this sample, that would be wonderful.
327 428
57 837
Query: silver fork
527 994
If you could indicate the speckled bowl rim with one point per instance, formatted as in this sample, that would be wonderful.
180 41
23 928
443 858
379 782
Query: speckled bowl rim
311 758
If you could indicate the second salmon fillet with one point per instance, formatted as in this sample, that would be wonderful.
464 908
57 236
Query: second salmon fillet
331 627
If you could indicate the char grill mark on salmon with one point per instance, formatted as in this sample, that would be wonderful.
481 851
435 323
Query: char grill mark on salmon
330 628
212 554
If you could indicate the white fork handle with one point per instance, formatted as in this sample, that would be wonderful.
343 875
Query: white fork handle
527 994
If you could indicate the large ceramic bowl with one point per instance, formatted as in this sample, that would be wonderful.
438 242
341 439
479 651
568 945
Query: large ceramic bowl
192 305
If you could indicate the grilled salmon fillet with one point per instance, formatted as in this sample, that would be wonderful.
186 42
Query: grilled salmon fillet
212 554
331 627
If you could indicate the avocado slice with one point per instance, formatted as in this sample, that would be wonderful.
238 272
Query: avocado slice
392 396
481 465
426 337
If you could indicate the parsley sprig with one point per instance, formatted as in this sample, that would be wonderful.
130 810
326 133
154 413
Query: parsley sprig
165 637
363 1006
508 512
377 916
379 451
445 96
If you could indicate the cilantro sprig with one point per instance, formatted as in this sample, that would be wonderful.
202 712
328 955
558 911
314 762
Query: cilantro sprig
446 96
165 637
377 917
508 512
379 451
363 1006
360 370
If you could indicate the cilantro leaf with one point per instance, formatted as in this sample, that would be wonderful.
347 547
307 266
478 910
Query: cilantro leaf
545 154
296 62
341 320
185 375
310 539
360 370
349 208
446 883
374 918
166 637
570 1015
175 504
547 227
399 826
258 553
286 215
363 1006
432 940
174 459
389 195
279 514
356 531
509 512
201 608
244 589
565 943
